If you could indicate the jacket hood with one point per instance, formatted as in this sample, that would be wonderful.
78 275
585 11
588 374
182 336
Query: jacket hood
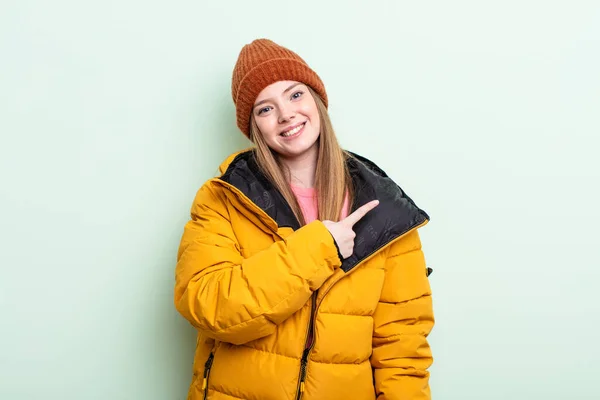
395 215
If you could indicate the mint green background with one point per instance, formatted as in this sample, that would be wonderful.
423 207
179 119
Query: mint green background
113 113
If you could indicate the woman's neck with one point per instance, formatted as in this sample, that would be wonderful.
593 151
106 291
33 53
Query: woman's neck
302 168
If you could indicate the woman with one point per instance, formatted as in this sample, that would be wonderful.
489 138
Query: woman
301 267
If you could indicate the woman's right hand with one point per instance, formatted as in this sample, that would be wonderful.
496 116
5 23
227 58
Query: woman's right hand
342 231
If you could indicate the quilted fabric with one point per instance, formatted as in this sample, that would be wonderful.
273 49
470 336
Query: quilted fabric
280 316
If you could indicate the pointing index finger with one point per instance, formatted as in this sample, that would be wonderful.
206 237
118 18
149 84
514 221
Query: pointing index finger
360 212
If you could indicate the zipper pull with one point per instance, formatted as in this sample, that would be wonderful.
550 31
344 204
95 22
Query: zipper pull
207 366
303 365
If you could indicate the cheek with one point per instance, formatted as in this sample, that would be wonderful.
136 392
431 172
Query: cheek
267 126
315 120
310 109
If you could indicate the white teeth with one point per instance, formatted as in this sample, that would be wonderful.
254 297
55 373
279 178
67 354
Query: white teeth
293 131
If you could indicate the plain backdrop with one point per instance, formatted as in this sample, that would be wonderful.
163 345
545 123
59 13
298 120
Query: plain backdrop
113 114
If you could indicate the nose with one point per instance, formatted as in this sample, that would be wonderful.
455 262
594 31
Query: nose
286 113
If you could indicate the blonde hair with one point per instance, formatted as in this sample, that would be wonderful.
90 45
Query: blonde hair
332 178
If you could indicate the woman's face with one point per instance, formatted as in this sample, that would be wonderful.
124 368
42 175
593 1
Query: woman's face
288 118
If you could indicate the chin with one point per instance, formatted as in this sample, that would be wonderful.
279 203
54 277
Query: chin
298 151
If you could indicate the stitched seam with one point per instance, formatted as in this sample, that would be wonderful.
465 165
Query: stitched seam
394 336
348 314
402 254
226 394
339 363
405 301
271 352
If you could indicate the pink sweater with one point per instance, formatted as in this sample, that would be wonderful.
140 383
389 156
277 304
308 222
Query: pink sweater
307 198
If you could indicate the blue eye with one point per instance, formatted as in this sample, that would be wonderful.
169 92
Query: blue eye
297 95
263 110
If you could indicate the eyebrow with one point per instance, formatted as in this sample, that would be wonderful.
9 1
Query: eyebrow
285 91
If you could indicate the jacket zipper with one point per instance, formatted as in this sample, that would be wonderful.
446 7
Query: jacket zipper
308 345
207 367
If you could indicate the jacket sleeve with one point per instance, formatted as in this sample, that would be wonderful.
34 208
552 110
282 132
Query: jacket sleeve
402 321
235 299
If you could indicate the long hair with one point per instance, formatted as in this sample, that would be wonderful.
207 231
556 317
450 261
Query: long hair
332 178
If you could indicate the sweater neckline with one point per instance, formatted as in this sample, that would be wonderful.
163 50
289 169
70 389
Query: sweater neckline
303 192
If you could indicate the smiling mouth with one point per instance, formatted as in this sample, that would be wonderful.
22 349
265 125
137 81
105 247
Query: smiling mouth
293 131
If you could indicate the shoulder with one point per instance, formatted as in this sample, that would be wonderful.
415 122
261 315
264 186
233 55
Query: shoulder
209 199
232 160
211 193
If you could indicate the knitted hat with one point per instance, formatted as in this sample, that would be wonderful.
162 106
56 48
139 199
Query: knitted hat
260 64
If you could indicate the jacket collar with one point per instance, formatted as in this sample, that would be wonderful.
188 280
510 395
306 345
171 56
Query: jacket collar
395 215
